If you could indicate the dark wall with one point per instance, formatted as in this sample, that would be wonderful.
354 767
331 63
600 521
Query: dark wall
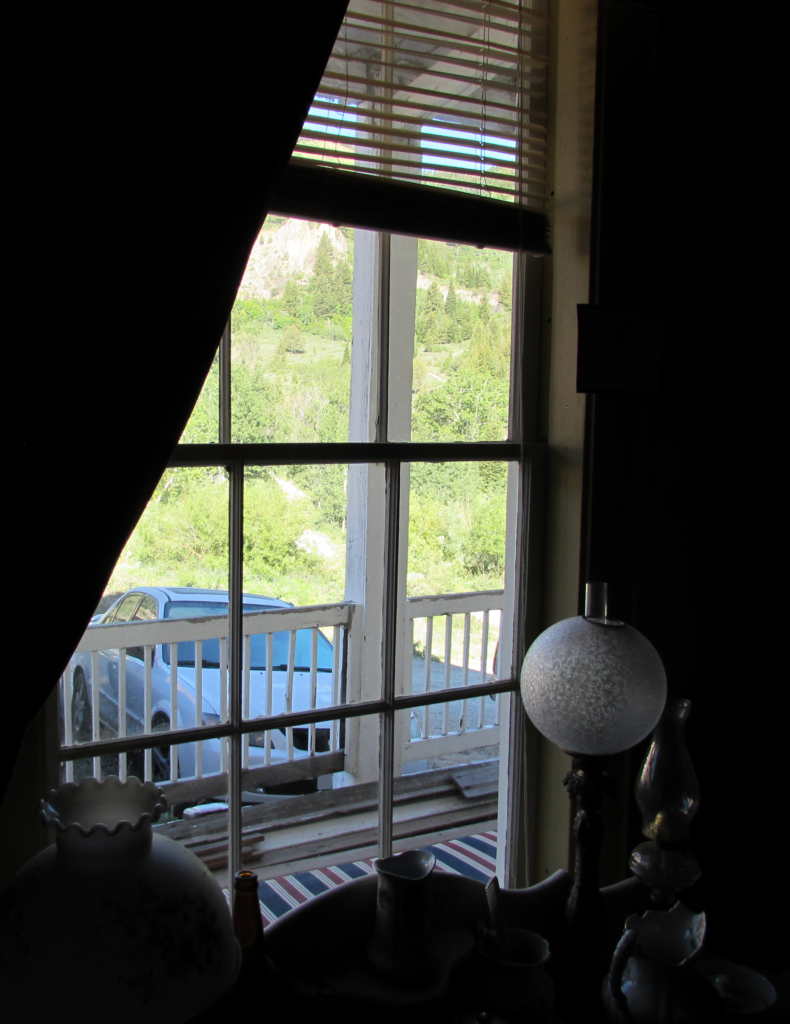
685 508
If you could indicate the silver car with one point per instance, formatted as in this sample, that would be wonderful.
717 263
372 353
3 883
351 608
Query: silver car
160 603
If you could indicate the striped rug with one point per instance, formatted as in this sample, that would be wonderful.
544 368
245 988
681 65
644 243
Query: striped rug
474 856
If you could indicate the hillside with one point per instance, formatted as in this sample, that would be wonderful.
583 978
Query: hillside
286 250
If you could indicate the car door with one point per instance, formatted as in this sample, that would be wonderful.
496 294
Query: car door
146 611
109 662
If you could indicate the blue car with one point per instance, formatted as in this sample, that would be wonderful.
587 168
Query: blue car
146 604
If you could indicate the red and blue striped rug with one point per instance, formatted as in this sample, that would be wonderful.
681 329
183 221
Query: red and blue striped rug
474 857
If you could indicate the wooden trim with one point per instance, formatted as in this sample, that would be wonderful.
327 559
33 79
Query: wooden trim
352 452
404 208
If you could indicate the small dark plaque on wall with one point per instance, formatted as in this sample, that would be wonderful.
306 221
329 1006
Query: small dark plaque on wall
619 351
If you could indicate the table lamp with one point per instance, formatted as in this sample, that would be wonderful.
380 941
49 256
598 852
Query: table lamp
595 687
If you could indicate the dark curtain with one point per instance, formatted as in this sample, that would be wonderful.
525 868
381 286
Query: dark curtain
149 154
684 515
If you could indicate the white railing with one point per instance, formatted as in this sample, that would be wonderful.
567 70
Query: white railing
473 723
445 728
105 645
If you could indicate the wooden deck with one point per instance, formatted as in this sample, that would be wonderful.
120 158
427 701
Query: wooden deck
320 829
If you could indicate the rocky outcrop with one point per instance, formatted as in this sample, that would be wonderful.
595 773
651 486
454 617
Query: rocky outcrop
286 252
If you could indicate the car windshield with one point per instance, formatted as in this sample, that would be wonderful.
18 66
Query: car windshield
280 641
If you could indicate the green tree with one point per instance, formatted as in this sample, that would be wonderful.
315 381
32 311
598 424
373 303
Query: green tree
344 286
469 406
506 290
433 300
323 283
292 300
292 339
451 302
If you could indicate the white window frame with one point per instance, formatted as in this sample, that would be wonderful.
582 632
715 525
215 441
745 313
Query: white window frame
379 445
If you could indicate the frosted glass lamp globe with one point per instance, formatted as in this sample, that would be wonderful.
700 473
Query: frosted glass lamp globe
593 687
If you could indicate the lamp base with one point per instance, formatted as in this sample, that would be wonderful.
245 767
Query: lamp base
665 870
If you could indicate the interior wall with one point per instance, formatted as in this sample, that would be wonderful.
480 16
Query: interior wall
684 517
561 412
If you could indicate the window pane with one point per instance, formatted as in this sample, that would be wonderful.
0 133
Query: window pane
295 533
457 760
461 376
203 425
295 554
312 814
291 335
181 542
457 527
181 539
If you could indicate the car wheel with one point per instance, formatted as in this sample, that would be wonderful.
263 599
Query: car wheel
160 756
81 717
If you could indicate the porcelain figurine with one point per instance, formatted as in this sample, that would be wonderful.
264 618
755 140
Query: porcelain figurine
651 980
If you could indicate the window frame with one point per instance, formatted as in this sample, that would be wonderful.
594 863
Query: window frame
528 456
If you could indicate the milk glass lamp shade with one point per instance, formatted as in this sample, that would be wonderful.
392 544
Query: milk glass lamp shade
593 687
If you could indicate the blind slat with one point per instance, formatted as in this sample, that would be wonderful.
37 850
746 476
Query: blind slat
494 144
395 94
434 31
437 153
505 10
440 40
432 108
532 133
432 179
416 56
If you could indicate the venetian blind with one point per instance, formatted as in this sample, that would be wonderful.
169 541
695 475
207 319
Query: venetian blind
447 94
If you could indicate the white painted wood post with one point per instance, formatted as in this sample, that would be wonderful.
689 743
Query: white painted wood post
365 541
365 517
403 298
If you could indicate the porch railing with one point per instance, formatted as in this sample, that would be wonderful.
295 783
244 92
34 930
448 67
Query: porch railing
99 643
468 621
473 723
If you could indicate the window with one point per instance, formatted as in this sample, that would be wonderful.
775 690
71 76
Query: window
254 695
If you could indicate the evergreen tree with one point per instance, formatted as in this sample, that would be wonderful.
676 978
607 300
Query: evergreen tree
291 298
442 263
451 302
433 301
450 333
465 319
344 286
506 290
324 289
423 256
